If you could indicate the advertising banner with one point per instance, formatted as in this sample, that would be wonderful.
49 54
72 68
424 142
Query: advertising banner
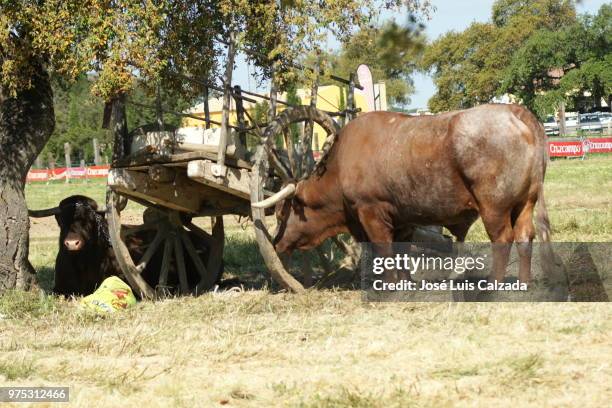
60 173
37 175
599 145
565 149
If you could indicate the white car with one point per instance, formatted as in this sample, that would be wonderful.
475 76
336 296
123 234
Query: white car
571 120
605 118
550 126
589 122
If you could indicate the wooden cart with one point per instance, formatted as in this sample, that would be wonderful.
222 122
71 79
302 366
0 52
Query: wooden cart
177 181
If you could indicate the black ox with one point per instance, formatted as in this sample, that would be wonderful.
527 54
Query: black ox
85 257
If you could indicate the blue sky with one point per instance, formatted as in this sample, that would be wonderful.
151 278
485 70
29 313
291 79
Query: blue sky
449 15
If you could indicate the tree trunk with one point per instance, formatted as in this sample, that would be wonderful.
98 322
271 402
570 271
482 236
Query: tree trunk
562 127
26 123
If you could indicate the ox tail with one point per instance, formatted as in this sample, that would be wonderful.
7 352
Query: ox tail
553 270
542 220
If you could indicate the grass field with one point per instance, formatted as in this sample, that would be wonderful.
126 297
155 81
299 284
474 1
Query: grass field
324 348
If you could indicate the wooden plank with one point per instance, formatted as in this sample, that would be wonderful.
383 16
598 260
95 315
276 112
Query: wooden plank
350 111
197 147
240 114
166 260
236 181
122 254
307 162
182 195
205 236
206 280
180 263
206 108
227 94
159 237
215 255
153 158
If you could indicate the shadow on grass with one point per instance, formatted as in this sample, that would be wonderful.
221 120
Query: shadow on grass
243 260
45 276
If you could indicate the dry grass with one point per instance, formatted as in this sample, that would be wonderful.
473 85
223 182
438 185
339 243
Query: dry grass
325 348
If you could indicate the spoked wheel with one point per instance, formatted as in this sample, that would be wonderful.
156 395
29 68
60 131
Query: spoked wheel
166 254
268 165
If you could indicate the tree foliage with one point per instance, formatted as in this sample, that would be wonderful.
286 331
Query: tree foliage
156 39
78 118
564 64
469 66
135 45
391 51
117 39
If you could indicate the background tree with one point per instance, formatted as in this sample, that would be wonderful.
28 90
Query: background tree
468 67
78 115
63 39
391 51
562 65
152 40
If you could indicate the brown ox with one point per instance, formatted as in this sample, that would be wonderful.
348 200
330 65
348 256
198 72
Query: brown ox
387 172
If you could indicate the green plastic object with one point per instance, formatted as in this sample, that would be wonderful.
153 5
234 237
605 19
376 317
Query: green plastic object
112 295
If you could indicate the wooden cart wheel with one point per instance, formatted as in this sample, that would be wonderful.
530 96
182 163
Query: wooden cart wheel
265 158
167 254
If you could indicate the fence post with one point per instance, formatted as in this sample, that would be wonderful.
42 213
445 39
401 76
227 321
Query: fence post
350 114
96 151
82 166
306 145
562 129
68 161
272 106
206 108
240 114
219 170
51 163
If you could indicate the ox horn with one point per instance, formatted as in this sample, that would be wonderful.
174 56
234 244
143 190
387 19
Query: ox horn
285 192
47 212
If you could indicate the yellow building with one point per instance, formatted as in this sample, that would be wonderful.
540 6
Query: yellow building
329 98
